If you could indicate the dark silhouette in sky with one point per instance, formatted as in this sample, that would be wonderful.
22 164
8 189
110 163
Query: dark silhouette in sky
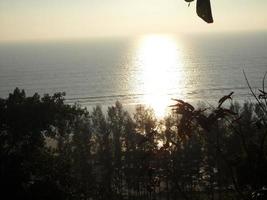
203 10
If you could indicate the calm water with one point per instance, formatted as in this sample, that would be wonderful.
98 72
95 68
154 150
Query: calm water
150 70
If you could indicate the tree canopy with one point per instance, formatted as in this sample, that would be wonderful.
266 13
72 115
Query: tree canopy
52 150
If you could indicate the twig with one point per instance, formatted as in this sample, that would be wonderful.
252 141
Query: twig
263 86
261 106
264 110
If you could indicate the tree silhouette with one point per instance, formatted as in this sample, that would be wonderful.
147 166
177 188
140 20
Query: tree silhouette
52 150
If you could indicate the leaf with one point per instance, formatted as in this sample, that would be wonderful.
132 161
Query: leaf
263 92
224 98
204 10
183 104
189 1
189 106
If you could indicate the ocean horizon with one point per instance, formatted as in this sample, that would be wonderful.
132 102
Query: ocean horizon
149 69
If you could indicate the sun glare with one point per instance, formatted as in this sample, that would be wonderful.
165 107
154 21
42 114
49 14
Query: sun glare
160 69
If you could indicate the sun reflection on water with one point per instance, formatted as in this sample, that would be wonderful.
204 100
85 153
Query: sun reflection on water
160 70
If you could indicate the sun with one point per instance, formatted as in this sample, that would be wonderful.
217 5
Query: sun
160 66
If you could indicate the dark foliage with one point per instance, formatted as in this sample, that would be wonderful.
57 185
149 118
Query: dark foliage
51 150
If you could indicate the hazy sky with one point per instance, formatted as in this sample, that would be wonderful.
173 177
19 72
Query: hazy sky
52 19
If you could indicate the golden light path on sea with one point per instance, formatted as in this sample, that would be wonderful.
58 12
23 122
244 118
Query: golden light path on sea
160 69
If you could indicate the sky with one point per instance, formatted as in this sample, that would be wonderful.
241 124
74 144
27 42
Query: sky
63 19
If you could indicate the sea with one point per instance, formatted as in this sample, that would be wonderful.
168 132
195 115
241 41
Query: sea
148 69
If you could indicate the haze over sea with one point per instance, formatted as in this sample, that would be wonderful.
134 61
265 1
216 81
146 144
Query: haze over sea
149 69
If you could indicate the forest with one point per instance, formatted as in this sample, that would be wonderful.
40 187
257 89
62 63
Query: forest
53 150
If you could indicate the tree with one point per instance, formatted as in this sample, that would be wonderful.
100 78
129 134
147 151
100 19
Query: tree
30 167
